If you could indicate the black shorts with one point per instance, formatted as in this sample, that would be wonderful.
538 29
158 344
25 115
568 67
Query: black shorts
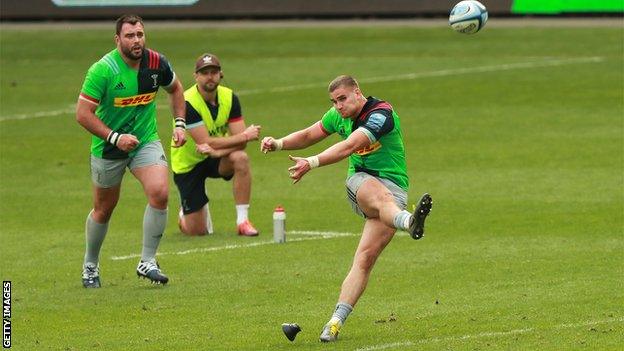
192 187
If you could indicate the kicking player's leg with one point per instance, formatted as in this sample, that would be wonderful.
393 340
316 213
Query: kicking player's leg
237 164
375 236
380 198
376 201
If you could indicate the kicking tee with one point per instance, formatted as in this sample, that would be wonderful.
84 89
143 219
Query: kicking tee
125 98
385 156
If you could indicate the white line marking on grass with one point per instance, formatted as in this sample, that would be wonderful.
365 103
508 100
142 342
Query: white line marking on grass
324 234
486 335
386 346
311 235
52 113
406 76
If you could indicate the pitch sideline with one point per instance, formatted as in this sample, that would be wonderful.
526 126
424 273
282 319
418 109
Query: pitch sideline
405 76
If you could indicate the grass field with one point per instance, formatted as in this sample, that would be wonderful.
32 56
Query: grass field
518 134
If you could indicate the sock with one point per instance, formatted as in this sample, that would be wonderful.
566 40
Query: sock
154 223
95 233
209 227
341 313
241 213
402 220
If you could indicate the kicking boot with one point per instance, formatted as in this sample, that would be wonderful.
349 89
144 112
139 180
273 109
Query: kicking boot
91 275
151 270
291 330
247 229
330 332
417 224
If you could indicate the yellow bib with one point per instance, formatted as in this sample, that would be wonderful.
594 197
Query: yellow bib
184 158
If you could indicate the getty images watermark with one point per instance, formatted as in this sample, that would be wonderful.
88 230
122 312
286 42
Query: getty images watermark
6 314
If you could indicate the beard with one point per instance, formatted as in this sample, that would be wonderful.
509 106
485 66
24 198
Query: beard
210 87
128 52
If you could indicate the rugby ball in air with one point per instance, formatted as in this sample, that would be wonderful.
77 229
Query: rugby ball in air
468 17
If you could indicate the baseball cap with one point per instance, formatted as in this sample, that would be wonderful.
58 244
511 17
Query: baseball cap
207 60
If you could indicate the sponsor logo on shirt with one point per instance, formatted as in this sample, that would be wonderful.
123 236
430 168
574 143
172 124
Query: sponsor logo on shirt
142 99
369 149
120 86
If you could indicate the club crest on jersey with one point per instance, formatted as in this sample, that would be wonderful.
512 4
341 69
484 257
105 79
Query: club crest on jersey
136 100
369 149
155 78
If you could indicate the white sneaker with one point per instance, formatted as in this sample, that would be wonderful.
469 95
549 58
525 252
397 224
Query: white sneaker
330 332
91 275
151 270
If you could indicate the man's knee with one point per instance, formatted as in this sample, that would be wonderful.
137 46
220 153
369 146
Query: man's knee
239 159
104 203
159 196
102 214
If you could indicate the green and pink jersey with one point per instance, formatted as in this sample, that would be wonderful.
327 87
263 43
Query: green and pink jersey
125 98
385 156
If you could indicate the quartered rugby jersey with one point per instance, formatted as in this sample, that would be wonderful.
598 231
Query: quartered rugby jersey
385 157
125 97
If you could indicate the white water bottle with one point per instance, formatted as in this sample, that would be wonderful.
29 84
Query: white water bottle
279 225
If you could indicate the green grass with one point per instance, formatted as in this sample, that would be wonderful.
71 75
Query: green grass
524 249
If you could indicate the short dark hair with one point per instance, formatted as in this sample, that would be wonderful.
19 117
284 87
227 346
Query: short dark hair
342 80
132 19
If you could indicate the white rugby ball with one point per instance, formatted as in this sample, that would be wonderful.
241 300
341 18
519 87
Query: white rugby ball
468 16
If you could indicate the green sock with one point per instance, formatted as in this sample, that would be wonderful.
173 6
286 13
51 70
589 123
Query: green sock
154 223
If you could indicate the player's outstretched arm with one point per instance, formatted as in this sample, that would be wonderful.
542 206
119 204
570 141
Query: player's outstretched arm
356 141
294 141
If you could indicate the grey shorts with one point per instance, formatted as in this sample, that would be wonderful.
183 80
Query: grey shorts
109 173
356 180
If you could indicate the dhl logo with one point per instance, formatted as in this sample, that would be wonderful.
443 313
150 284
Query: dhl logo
135 100
369 149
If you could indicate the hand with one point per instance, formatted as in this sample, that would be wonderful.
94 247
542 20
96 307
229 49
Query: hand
179 137
268 144
300 168
206 149
127 142
252 132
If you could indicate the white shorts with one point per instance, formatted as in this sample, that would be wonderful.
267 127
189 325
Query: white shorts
354 182
109 173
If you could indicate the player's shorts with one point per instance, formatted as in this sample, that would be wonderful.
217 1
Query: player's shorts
356 180
192 187
109 173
